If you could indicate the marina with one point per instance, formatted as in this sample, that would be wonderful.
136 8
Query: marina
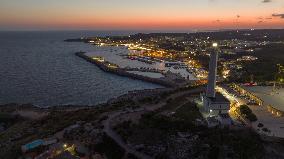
120 56
169 80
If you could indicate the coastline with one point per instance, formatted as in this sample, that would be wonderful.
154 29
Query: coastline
136 94
168 86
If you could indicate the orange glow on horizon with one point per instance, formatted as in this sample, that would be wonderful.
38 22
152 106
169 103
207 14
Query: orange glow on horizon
155 14
151 23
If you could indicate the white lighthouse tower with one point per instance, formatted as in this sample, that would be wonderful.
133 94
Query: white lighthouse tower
210 92
214 103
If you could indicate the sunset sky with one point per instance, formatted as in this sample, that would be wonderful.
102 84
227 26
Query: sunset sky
140 14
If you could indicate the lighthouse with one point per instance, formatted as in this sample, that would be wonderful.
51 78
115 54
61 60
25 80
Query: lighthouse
214 103
210 92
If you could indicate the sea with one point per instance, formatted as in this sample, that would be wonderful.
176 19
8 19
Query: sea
39 68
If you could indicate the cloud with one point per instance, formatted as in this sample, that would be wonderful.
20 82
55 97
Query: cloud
216 21
278 15
266 1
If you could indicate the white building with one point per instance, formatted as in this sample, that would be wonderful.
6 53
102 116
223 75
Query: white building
217 105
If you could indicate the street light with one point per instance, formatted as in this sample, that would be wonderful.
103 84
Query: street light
215 45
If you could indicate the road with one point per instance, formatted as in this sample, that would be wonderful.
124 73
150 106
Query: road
146 108
239 101
111 133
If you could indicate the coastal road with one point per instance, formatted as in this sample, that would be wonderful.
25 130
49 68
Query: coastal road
111 133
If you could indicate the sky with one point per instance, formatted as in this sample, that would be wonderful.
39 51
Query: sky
140 14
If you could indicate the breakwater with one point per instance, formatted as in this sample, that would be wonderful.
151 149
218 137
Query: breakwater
123 72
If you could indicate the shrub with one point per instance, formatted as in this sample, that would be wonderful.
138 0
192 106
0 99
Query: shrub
247 113
245 109
110 148
265 130
260 125
169 100
251 117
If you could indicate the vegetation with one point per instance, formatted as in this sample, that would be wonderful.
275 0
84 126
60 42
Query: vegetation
155 129
244 144
188 112
24 131
131 156
120 104
173 103
8 119
123 129
265 130
110 148
260 125
152 128
149 100
268 58
247 113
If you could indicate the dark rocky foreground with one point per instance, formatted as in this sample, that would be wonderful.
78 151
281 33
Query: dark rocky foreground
144 122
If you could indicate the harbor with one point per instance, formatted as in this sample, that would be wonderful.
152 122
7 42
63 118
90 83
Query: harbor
122 61
128 58
168 80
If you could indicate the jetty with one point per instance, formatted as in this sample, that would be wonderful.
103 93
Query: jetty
170 80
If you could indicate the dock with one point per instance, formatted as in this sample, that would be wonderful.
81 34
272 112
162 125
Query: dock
112 68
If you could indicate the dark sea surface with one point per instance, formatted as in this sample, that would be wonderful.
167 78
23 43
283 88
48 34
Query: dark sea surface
41 69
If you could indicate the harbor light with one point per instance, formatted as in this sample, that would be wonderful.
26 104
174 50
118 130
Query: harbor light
215 45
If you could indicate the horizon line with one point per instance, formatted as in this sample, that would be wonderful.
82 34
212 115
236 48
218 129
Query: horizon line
135 30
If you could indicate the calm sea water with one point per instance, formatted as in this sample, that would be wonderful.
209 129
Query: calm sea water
39 68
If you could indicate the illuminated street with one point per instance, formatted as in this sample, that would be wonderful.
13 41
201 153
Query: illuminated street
274 124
